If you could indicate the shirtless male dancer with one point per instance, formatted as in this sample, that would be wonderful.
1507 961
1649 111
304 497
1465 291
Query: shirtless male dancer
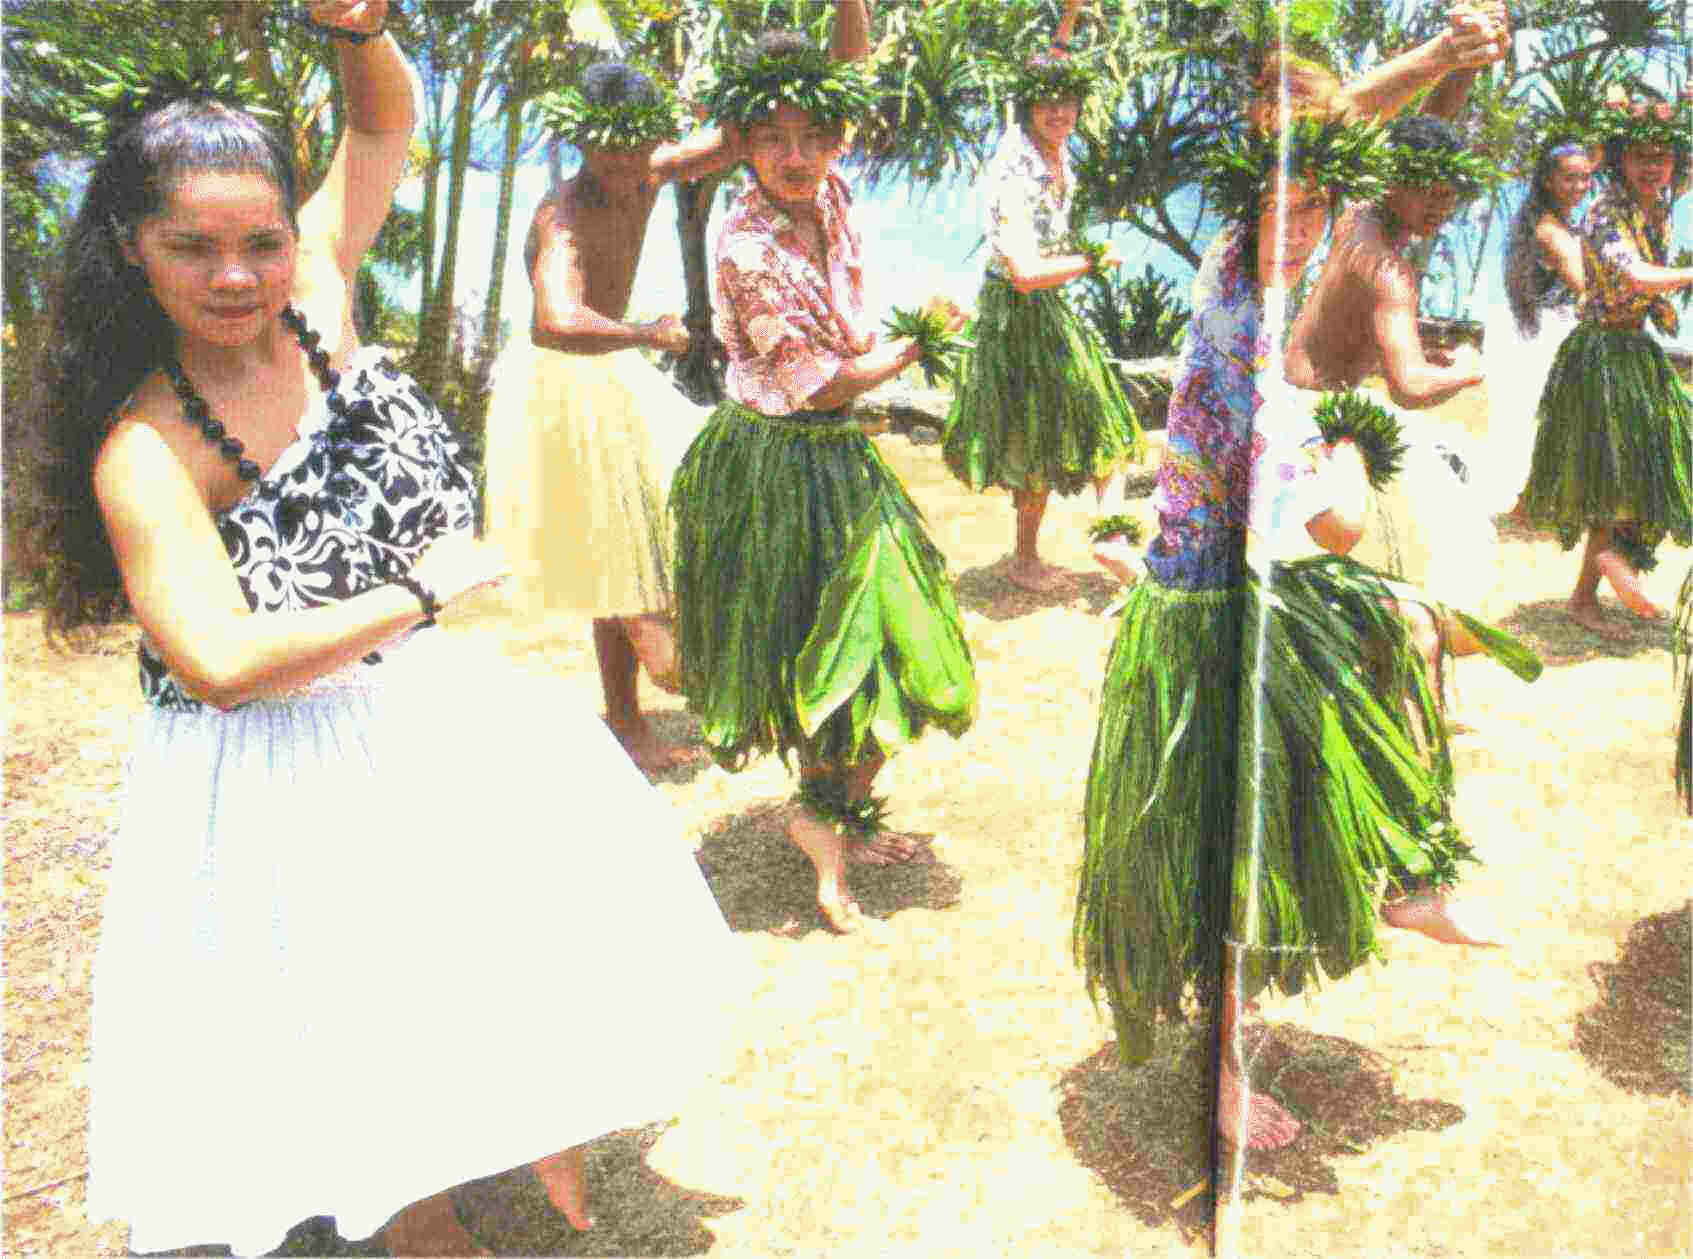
582 252
1361 318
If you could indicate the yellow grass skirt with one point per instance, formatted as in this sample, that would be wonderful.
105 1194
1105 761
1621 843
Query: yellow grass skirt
581 449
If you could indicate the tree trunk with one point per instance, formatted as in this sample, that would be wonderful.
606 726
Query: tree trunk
699 372
434 336
502 232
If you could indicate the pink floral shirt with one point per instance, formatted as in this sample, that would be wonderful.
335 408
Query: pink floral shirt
788 321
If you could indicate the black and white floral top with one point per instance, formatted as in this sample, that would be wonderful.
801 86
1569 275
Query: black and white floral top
1027 208
351 502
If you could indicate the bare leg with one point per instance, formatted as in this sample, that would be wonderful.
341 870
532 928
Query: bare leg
820 842
1113 552
1626 582
886 848
1583 606
429 1227
620 682
654 642
1265 1124
567 1189
1027 570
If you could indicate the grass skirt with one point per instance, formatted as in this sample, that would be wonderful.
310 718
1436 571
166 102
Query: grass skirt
1037 407
581 449
1517 367
1197 833
372 941
1615 440
814 612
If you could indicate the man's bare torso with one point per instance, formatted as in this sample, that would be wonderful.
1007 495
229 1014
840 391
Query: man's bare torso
604 236
1334 343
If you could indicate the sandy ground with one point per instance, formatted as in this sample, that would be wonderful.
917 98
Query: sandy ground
941 1085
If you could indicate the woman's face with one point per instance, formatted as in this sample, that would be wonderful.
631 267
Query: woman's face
219 257
790 152
1571 177
1646 169
1299 221
1051 122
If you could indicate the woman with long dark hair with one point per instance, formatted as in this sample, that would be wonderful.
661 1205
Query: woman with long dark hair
1543 287
326 985
1614 452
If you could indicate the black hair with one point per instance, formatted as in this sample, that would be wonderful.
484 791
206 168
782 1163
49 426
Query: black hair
615 83
108 331
1424 133
1522 251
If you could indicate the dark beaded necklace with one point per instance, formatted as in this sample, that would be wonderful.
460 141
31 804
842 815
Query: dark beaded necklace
200 414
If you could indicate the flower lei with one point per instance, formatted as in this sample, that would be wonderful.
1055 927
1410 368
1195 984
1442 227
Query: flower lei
1049 78
1348 159
631 124
749 91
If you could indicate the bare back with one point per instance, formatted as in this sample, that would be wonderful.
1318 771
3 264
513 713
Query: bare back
1334 343
586 244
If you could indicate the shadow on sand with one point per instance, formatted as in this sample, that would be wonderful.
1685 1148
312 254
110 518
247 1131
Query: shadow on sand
1145 1130
1637 1034
987 590
1545 625
763 883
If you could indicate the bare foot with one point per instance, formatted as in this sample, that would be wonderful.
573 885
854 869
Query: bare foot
1626 582
1036 577
841 911
429 1227
1117 557
1440 919
567 1188
820 841
1266 1124
885 848
1591 617
651 753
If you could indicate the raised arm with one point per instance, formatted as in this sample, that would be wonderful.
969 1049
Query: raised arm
1412 381
850 38
1066 24
344 215
1449 60
562 317
696 156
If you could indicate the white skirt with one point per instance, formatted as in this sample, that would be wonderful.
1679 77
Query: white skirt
1517 367
581 451
375 941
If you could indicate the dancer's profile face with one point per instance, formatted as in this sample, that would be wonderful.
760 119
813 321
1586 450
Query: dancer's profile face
1299 219
1647 168
790 152
1051 122
219 257
1569 181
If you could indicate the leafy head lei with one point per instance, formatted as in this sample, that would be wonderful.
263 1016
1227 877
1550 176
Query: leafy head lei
1347 160
1425 152
648 116
1049 77
127 91
753 86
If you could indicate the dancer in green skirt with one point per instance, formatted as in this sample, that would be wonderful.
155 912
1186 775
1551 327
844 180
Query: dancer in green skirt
1037 406
1614 452
815 615
1268 761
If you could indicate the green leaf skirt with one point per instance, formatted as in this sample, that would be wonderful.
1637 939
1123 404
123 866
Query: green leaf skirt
814 614
1615 440
1256 779
1036 406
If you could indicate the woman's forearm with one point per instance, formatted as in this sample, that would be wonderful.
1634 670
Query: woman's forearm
1646 278
1031 275
378 83
862 374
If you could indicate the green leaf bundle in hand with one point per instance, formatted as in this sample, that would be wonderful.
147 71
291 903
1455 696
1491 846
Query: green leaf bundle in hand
935 343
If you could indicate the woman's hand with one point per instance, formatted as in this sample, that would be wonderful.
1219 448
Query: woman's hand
458 564
362 17
669 334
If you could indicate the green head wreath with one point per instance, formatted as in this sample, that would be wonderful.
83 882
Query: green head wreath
1347 160
755 85
127 91
1049 77
629 124
1469 173
1657 124
1372 428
